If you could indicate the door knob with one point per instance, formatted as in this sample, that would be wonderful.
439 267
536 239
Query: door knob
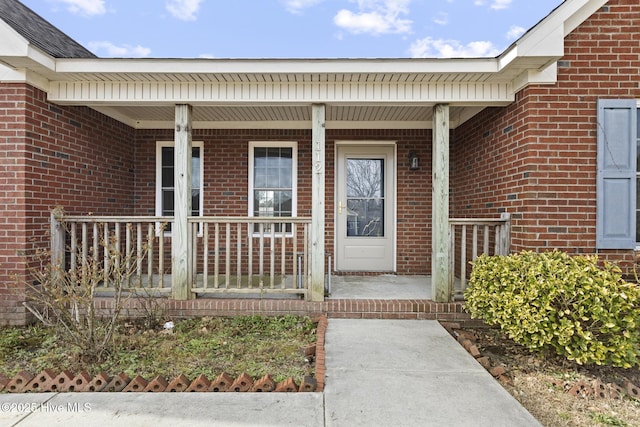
339 207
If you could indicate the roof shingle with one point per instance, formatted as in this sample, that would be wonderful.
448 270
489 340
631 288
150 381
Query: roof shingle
40 32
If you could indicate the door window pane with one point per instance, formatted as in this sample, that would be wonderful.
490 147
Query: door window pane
365 178
365 198
365 218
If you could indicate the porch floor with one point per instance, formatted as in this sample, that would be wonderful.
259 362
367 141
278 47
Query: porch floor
383 287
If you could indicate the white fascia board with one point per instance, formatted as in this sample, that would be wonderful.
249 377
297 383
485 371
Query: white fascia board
124 93
581 12
13 44
48 63
23 75
12 75
546 39
17 52
548 75
276 66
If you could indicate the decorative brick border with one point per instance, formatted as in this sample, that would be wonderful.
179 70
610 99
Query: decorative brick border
65 381
580 388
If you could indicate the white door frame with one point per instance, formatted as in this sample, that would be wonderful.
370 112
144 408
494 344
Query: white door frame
394 199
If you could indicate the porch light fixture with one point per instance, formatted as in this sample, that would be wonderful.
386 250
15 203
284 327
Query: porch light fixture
414 161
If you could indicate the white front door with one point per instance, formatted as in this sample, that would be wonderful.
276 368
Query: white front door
365 222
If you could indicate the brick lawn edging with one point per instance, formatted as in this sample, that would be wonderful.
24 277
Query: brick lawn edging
595 388
65 381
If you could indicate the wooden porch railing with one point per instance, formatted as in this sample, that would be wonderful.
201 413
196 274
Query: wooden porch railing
235 254
134 243
471 237
230 254
250 255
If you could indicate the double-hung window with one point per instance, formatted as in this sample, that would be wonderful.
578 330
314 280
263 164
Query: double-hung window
273 181
618 177
165 179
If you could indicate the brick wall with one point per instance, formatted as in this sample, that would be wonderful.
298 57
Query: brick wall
226 180
537 157
53 156
13 223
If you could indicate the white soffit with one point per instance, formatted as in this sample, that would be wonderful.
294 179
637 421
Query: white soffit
289 117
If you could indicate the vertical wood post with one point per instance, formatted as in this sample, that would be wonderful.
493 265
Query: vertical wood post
57 240
505 236
441 290
317 202
180 250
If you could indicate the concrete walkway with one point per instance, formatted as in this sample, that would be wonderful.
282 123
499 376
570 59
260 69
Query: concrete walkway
410 373
378 373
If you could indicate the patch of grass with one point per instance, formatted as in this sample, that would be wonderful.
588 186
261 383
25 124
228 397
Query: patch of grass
256 345
607 420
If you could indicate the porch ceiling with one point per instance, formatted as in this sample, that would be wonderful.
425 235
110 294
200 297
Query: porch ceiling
287 116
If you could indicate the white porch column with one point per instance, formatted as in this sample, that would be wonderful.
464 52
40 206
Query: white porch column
182 204
440 290
317 202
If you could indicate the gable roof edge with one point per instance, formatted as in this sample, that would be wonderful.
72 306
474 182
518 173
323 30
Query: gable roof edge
546 40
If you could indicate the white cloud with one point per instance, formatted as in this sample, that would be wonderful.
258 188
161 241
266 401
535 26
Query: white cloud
185 10
495 4
375 17
515 32
85 7
501 4
441 18
440 48
296 6
125 51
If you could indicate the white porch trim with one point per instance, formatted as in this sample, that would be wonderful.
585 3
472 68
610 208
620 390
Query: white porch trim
151 92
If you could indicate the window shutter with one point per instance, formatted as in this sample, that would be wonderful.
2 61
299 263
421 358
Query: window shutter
616 178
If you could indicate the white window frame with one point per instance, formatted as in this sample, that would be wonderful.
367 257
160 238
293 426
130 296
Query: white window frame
159 146
294 178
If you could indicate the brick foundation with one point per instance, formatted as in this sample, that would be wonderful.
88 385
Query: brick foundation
335 308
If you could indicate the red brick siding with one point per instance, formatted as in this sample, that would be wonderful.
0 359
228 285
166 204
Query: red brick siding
537 157
53 156
226 180
13 221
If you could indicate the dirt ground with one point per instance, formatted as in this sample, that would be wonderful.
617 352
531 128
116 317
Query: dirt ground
558 392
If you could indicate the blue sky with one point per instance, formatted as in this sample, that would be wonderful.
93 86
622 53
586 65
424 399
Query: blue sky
294 28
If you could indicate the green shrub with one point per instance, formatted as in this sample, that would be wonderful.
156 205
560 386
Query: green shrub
556 302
